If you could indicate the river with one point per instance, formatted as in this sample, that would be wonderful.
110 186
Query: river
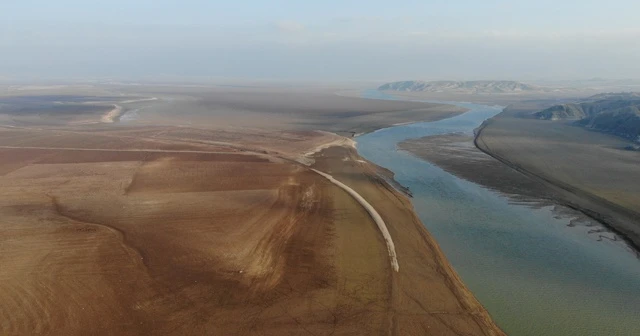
535 274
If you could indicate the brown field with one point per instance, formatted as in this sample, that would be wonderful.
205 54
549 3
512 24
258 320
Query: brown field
590 170
156 229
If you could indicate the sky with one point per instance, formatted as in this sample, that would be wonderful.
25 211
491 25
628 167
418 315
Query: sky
320 40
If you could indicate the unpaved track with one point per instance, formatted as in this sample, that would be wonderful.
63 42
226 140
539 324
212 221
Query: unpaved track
372 211
427 297
374 215
227 244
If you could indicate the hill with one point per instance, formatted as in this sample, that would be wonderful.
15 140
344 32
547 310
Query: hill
615 113
459 86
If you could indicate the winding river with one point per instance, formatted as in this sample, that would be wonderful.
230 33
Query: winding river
535 274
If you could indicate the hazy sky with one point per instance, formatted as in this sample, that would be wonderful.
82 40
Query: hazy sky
329 39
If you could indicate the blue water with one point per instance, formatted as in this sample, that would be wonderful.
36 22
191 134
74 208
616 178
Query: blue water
533 273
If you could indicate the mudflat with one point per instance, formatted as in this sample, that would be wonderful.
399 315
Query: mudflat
457 154
146 228
590 170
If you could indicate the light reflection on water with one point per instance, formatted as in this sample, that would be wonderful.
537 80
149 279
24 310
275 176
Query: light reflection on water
534 273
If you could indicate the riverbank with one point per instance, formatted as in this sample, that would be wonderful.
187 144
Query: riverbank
457 154
426 295
586 171
526 181
528 264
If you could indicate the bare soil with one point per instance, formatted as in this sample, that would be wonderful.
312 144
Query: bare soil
161 229
426 296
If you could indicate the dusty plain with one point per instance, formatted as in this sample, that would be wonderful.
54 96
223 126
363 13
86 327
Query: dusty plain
201 215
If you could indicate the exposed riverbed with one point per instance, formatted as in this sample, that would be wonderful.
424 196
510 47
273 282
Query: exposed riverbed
533 272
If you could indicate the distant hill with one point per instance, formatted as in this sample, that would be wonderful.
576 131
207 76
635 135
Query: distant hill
613 95
615 113
460 86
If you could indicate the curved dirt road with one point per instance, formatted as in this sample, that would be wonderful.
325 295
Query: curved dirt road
374 215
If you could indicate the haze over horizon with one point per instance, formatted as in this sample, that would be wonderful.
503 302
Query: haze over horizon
332 40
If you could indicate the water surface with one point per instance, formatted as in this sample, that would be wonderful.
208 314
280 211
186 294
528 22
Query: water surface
533 273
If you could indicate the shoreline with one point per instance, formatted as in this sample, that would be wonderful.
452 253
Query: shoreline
565 189
456 154
558 188
411 226
469 300
386 177
566 239
420 279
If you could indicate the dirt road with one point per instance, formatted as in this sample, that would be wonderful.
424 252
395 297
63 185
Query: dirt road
137 230
374 215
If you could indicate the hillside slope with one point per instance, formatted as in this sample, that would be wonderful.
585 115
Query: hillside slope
618 114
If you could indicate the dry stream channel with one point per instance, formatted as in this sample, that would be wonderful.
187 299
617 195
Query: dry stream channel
535 274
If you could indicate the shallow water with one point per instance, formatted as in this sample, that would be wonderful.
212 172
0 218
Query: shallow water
535 274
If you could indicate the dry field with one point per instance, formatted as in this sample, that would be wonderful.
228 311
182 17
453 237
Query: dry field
160 243
139 229
590 169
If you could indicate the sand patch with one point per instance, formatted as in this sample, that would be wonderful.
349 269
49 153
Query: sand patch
113 115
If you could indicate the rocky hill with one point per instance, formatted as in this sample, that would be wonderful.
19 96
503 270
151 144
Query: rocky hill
473 87
617 114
